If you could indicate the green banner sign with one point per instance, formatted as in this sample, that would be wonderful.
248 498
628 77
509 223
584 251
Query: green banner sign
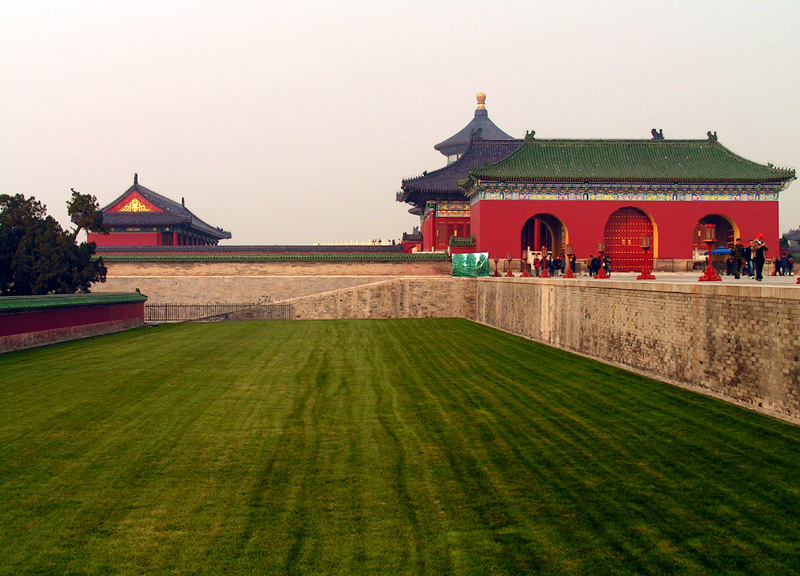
472 264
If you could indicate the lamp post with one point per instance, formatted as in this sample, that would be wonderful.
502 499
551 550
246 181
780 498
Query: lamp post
647 242
545 273
509 273
569 273
710 238
522 261
601 274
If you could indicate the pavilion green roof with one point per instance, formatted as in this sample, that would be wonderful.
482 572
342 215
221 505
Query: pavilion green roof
629 160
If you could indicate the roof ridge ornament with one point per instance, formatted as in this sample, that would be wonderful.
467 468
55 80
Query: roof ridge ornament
529 135
135 179
712 137
657 134
481 101
475 135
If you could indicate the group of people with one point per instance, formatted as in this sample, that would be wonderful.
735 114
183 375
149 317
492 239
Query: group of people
597 262
748 260
744 259
554 266
558 266
783 265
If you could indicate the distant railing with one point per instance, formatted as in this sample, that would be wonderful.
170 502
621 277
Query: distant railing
167 313
461 241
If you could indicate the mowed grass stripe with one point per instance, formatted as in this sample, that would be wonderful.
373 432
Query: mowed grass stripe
395 447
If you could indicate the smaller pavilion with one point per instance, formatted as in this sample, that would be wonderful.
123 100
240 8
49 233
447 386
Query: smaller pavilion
457 144
436 198
141 217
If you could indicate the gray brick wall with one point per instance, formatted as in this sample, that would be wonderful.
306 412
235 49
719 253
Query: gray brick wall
741 343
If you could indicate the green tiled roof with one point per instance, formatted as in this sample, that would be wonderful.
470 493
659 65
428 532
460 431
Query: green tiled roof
10 304
629 160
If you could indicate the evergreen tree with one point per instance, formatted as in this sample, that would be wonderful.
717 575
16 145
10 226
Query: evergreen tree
37 256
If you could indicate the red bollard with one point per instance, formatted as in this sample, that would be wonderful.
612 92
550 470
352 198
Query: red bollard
509 273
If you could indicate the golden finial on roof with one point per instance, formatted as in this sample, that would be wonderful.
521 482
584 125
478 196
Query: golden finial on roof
481 101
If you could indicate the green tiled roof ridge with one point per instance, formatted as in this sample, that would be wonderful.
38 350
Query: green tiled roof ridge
633 160
31 303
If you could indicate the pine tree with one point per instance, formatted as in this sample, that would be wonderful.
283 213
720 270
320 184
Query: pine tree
37 256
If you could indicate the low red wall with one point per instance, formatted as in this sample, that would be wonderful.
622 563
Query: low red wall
68 318
40 321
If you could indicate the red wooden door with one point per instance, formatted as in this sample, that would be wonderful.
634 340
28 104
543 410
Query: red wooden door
623 237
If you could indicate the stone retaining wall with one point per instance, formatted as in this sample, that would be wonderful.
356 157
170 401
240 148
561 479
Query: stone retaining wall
237 282
397 298
741 343
230 289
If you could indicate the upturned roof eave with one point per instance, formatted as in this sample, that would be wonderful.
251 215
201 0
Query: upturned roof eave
414 190
622 179
475 147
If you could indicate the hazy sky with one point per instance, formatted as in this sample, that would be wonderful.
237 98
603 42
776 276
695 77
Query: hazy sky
295 122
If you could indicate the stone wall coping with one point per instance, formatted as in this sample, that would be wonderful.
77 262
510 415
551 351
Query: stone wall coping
788 292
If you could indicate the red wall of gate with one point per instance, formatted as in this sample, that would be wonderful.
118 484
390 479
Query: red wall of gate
497 224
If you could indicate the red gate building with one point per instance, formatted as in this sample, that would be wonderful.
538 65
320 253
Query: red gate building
582 192
550 193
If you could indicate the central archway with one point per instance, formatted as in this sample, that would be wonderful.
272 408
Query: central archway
623 238
543 230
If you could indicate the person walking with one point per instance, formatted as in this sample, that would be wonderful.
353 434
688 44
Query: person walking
737 258
748 259
759 250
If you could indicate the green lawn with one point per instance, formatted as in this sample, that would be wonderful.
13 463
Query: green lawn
378 447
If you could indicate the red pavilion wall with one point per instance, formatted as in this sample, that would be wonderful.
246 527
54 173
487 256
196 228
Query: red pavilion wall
429 227
497 224
126 239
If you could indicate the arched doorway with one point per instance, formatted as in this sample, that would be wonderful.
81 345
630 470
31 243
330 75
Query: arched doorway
623 238
726 236
726 231
543 230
